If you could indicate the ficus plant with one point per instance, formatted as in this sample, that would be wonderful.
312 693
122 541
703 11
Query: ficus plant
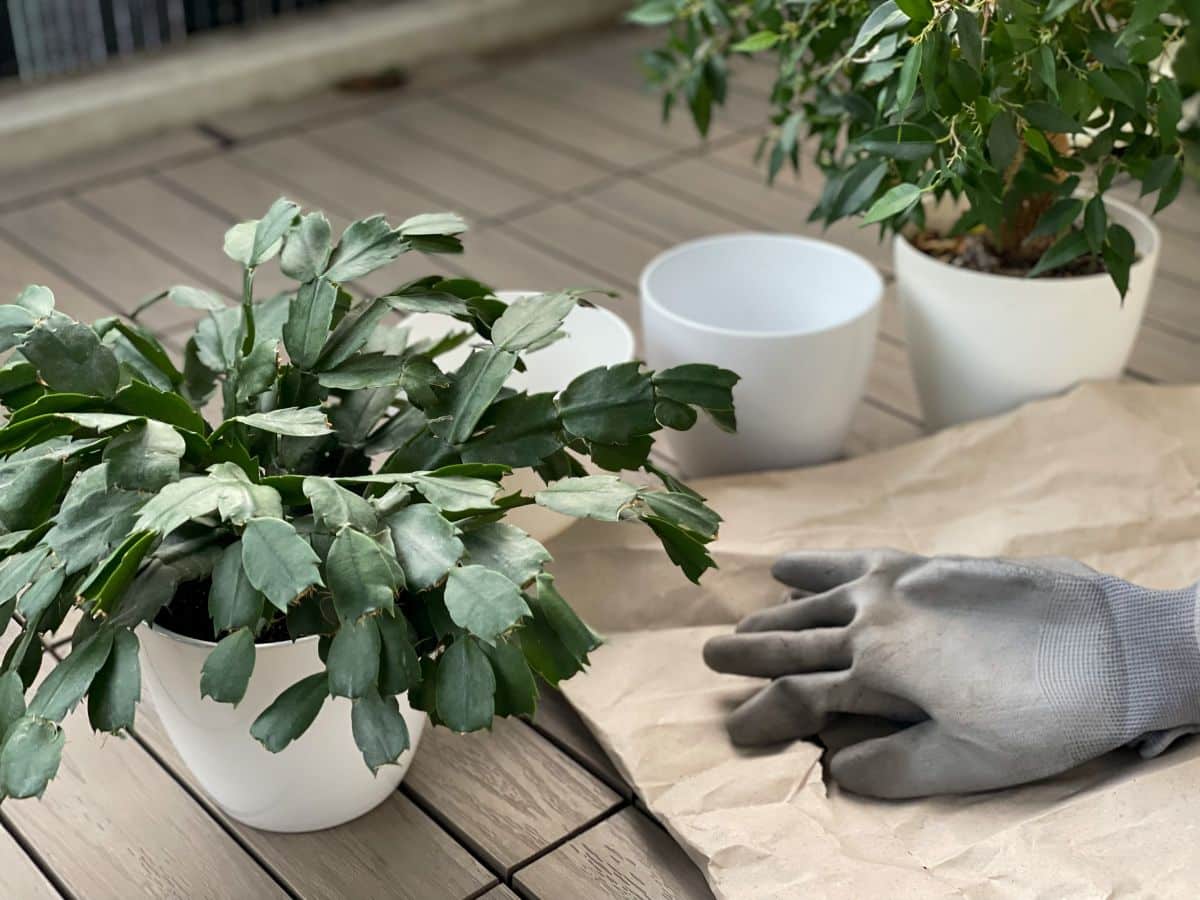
308 471
1024 112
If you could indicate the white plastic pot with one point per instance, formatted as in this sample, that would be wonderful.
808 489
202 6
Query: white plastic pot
796 318
982 344
318 781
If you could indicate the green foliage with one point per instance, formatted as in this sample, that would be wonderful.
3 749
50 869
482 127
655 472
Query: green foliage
1005 105
350 490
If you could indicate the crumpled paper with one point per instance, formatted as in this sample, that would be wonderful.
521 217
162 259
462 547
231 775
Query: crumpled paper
1108 474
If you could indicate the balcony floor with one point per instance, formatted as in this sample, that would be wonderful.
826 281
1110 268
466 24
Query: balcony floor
560 162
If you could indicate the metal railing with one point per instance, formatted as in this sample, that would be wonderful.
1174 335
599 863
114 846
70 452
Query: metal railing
40 39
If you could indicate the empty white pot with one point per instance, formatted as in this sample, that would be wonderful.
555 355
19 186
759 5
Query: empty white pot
317 781
795 317
981 344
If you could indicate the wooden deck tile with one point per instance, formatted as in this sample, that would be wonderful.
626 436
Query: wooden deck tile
394 851
18 270
506 794
506 260
101 166
21 877
548 169
559 125
625 857
93 256
115 824
556 717
499 892
875 429
406 159
288 115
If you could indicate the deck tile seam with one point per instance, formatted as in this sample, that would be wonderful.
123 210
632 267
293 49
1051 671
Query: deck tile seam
598 819
35 858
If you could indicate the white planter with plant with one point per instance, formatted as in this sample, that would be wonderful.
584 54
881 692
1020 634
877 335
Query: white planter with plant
328 565
1023 114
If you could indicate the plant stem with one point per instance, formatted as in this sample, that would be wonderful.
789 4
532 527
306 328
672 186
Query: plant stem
248 309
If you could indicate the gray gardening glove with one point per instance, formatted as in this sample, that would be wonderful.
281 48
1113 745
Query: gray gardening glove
1004 671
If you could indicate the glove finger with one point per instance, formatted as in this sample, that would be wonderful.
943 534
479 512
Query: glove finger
919 761
828 610
798 706
821 570
771 654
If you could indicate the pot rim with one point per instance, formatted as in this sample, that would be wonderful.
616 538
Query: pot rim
197 642
901 241
871 308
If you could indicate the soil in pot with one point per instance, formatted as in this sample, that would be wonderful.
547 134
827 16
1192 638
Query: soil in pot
976 251
187 615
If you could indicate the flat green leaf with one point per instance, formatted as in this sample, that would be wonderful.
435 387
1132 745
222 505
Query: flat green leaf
1170 111
353 661
600 497
444 223
1050 118
270 230
351 334
92 519
37 299
516 691
196 298
609 405
112 577
883 18
218 340
1070 246
757 42
291 713
426 544
360 577
15 322
1159 173
379 729
1056 9
399 667
42 592
28 492
455 493
1095 223
143 400
335 506
529 321
905 142
1119 255
519 431
571 631
506 549
1003 141
1059 216
233 602
307 247
228 667
70 357
970 39
366 245
278 562
67 682
145 457
239 242
466 687
310 317
652 12
683 510
684 549
291 421
12 702
475 388
117 687
225 489
910 71
917 10
30 757
483 601
257 370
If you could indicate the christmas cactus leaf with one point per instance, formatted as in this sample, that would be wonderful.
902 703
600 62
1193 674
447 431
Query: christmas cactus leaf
516 691
476 387
466 687
443 223
529 321
601 497
379 729
399 665
549 606
12 702
521 430
426 544
257 370
278 562
41 593
506 549
289 716
334 506
310 318
67 682
228 667
30 757
684 549
360 577
353 662
307 247
683 510
609 406
365 246
483 601
270 229
455 493
69 357
144 457
233 602
117 687
293 422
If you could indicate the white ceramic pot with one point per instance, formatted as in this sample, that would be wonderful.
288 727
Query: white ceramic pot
982 344
796 318
318 781
595 337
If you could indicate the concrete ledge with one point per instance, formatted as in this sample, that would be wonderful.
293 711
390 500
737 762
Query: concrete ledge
229 70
